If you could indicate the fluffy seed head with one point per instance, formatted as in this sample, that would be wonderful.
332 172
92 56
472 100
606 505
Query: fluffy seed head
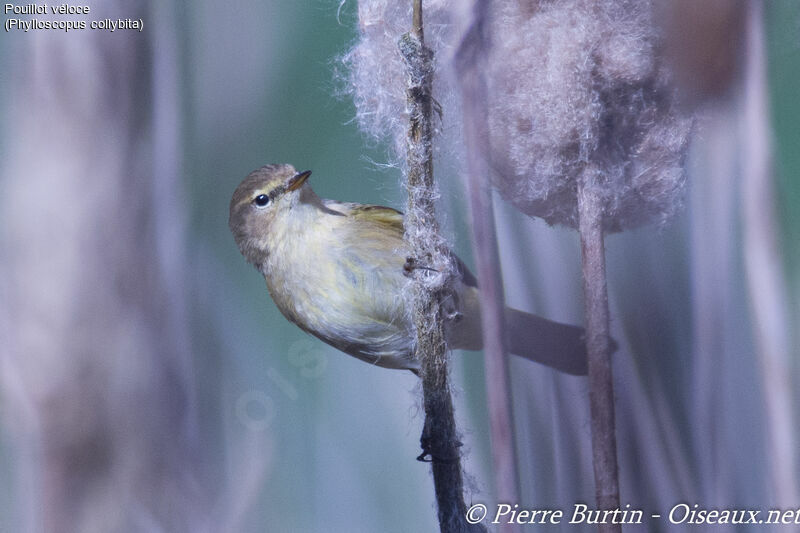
578 84
573 84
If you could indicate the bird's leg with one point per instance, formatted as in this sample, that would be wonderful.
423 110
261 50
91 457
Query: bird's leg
450 300
450 303
411 265
451 306
437 107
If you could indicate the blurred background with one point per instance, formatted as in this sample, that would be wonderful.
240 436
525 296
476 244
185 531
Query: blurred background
149 383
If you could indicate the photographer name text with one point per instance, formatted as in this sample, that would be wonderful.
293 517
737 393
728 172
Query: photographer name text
682 513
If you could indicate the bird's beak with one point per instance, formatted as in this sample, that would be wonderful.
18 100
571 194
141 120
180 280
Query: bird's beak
296 181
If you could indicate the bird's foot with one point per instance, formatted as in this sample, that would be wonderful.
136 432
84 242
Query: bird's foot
411 265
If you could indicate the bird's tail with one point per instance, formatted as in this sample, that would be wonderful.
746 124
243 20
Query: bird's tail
556 345
550 343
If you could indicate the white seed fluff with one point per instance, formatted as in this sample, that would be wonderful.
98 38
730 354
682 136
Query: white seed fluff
377 73
576 84
573 84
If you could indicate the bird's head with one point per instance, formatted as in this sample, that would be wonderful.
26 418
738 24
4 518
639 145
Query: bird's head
262 200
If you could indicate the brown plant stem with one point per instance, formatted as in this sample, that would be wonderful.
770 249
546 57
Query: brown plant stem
439 438
470 63
601 386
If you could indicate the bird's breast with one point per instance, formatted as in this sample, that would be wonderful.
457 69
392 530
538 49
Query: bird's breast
345 287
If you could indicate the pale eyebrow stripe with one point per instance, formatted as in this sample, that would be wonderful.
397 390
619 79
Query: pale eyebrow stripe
280 189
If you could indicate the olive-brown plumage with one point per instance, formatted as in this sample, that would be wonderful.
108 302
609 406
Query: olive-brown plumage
337 271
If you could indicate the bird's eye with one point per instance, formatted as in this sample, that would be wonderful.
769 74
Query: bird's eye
261 200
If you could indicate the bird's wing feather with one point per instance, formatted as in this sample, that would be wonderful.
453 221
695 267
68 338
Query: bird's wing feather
386 217
389 218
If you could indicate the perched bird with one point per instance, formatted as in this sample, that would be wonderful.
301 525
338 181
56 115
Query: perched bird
336 269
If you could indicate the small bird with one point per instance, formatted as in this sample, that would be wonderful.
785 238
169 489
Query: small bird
338 271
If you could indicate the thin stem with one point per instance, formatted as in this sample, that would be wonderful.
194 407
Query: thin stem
601 385
417 21
439 438
470 61
765 279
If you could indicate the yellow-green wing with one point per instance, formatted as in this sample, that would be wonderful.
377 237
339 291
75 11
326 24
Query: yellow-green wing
385 218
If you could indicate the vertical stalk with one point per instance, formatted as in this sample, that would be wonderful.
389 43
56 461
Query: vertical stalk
439 438
763 266
601 387
470 62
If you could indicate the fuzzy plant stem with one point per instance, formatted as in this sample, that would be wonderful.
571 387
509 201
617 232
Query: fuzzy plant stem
601 387
439 438
470 64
